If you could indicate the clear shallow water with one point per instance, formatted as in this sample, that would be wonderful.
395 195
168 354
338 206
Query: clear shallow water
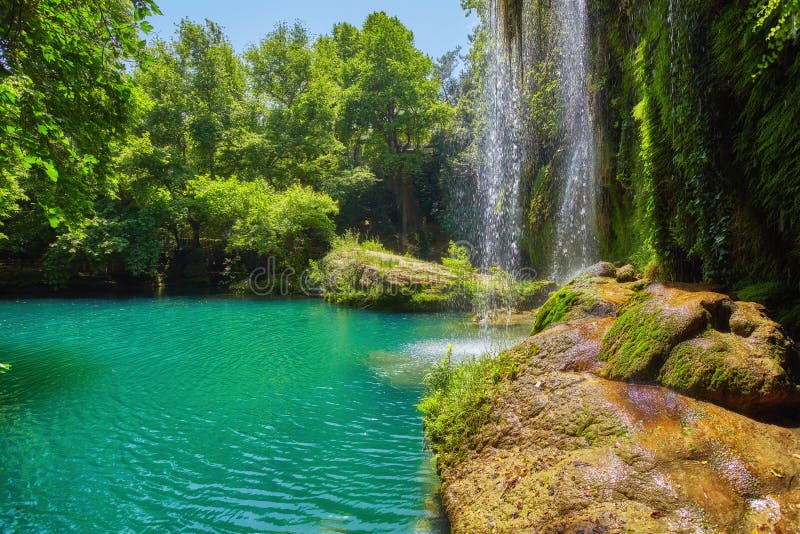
216 414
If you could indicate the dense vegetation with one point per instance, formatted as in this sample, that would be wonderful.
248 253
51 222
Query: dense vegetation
186 161
696 106
181 159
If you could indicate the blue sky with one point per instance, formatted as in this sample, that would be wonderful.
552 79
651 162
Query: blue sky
438 25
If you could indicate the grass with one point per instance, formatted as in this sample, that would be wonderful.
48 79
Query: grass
458 402
351 240
340 272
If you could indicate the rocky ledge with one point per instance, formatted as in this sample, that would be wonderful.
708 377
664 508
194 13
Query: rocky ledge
633 407
360 277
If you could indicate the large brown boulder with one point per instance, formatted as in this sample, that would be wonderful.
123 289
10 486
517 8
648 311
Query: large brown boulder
704 344
560 448
567 451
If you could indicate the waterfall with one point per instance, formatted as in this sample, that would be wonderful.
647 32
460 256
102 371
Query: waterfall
498 187
508 60
575 246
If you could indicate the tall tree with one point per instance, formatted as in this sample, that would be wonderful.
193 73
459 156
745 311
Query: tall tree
195 86
393 107
297 99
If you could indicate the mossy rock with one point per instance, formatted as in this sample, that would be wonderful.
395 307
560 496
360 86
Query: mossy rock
724 368
593 293
642 336
703 344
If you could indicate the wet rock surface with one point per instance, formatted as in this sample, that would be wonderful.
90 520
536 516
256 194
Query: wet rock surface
568 450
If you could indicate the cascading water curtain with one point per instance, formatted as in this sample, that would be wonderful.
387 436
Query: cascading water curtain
576 243
497 194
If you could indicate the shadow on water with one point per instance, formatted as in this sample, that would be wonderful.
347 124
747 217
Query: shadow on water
44 372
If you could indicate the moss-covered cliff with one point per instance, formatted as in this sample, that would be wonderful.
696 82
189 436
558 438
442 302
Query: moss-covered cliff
696 106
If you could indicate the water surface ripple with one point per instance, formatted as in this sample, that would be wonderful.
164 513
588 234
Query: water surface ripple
214 414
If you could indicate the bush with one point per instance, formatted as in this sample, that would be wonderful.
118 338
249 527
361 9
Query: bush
457 260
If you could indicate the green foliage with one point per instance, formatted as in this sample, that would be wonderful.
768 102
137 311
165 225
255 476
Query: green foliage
765 293
296 102
457 404
100 244
457 260
351 240
555 308
703 143
779 19
293 226
220 158
392 107
64 98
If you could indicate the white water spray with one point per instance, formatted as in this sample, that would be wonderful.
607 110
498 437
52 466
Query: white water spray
575 246
497 194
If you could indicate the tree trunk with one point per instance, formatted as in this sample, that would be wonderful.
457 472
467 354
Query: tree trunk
404 209
195 226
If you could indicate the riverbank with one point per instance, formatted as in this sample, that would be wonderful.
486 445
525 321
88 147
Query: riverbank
365 275
633 407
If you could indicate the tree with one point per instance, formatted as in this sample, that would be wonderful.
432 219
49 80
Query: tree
293 226
193 89
64 97
297 103
393 107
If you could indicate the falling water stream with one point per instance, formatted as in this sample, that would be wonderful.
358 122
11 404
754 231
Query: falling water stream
499 170
497 194
575 246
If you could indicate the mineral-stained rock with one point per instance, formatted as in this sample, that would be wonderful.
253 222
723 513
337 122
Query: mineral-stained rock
589 295
626 273
704 344
566 450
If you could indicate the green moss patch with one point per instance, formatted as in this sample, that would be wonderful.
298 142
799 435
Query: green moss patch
638 342
556 308
719 366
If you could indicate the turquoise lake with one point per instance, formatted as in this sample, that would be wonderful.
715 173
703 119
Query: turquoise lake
217 414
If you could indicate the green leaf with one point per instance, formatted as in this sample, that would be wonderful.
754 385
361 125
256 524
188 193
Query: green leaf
145 26
51 170
42 129
8 95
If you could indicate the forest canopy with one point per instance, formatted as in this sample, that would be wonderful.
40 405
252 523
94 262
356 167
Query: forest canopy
129 159
138 159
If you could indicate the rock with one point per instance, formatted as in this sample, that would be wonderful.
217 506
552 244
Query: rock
588 295
626 273
563 449
365 278
602 269
704 344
